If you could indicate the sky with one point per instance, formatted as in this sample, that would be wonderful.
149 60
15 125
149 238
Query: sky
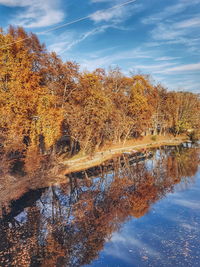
156 37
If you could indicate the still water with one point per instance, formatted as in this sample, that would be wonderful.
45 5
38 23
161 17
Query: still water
127 212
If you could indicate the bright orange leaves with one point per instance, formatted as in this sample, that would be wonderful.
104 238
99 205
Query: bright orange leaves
40 96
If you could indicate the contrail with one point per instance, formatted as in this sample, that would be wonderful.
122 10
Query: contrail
71 22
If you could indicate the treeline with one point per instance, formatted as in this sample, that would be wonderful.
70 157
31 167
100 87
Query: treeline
44 101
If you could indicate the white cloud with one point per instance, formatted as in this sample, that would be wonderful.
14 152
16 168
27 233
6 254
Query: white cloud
177 33
189 23
117 13
166 32
36 13
58 46
169 29
172 83
192 87
108 15
100 1
153 67
103 1
166 58
187 203
186 67
13 3
69 40
181 68
111 59
88 34
170 11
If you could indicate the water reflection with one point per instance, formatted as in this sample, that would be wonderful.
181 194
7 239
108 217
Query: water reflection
68 225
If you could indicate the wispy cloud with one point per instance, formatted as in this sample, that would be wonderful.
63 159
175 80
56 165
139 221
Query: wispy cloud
153 67
108 15
35 13
120 12
182 68
67 43
122 241
166 58
186 84
107 1
176 33
187 203
115 58
101 1
170 29
170 11
189 23
166 32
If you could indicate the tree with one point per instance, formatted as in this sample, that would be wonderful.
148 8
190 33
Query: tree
141 103
27 108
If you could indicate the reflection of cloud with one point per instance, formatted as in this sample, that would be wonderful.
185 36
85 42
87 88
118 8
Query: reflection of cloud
189 227
123 246
117 252
21 217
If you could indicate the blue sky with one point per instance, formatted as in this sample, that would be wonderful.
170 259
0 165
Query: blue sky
156 37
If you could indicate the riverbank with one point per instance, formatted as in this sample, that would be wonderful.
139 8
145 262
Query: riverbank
13 187
79 163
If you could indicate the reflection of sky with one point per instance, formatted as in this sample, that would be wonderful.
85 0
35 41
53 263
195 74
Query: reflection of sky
22 217
169 235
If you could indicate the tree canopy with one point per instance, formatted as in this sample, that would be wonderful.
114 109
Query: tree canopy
43 98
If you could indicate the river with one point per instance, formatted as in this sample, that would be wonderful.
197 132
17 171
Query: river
124 213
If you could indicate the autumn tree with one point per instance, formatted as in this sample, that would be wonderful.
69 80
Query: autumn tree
43 99
90 110
141 103
27 108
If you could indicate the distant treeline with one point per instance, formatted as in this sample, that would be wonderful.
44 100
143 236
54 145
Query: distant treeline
45 101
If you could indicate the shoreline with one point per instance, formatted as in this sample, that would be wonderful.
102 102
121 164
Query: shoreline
85 162
13 188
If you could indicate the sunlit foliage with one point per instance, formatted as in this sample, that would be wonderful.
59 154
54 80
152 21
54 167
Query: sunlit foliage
43 99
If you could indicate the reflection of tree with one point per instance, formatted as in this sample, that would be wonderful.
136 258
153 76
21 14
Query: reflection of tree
68 225
182 168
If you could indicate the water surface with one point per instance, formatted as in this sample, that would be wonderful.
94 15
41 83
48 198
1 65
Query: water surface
123 213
